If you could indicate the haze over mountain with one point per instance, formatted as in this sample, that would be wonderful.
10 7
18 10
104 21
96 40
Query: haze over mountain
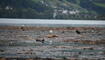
53 9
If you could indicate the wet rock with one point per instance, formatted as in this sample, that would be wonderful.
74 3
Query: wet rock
1 50
51 36
40 40
87 48
96 42
78 32
28 52
29 59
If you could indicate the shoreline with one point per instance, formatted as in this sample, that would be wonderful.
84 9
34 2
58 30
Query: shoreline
48 28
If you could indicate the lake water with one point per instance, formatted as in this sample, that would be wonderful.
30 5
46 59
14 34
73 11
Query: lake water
52 23
49 21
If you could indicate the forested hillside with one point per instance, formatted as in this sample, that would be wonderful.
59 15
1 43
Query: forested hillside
53 9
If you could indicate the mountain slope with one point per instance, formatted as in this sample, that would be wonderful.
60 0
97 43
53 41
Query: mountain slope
53 9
